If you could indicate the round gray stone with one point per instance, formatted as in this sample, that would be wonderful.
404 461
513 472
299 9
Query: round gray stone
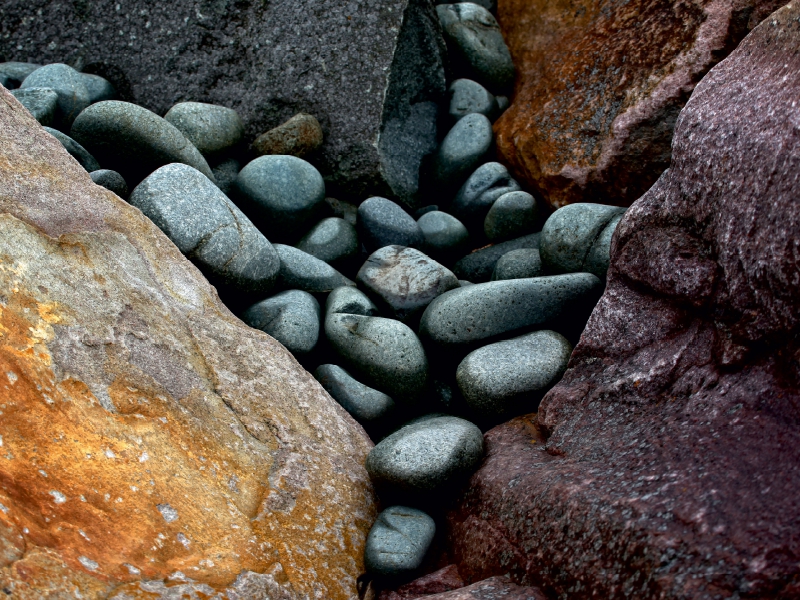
467 97
75 150
282 194
40 102
212 129
331 240
291 317
511 377
382 222
134 141
518 264
68 83
475 45
484 186
444 235
366 405
403 281
99 88
111 180
599 257
16 72
398 541
350 301
467 144
386 353
225 173
426 456
479 265
512 215
207 228
299 270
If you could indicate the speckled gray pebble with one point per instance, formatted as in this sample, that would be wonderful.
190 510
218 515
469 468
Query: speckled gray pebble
283 195
331 240
403 281
510 377
291 317
512 215
16 72
468 143
366 405
570 233
40 102
469 315
485 185
207 228
225 173
478 266
98 87
73 96
518 264
398 541
133 141
427 455
212 129
75 150
299 270
350 301
445 236
467 96
111 180
382 222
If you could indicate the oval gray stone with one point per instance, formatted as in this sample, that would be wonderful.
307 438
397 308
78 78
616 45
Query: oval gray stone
512 215
40 102
299 270
133 141
68 84
111 180
207 227
291 317
350 301
212 129
16 72
75 150
484 186
467 144
469 315
427 455
366 405
518 264
511 377
467 96
478 265
99 88
382 222
331 240
599 257
398 541
444 235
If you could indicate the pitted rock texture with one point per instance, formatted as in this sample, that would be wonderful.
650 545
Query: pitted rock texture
600 85
672 466
149 441
370 72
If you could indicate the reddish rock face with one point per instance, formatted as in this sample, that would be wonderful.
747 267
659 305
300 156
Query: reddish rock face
600 85
494 588
672 466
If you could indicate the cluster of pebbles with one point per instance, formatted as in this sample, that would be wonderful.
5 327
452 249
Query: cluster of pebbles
423 339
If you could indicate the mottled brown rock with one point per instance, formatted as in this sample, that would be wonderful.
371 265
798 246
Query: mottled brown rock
600 84
300 135
672 466
150 443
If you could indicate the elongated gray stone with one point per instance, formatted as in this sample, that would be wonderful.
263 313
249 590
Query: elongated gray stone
291 317
479 265
40 102
518 264
382 222
299 270
398 541
73 96
465 146
212 129
366 405
75 150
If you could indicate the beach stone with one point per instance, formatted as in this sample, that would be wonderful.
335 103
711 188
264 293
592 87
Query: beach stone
479 265
385 353
426 456
332 240
468 143
99 88
518 264
111 180
484 186
366 405
16 72
382 222
475 45
503 103
75 150
133 141
225 174
40 102
281 194
445 236
398 541
467 96
509 378
207 228
299 270
300 135
291 317
512 215
478 313
570 234
351 301
211 128
403 281
65 81
343 210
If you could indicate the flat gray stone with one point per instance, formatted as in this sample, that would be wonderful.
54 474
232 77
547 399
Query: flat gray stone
133 141
479 265
212 129
299 270
283 195
385 353
226 173
570 233
426 456
16 72
470 315
465 146
382 222
99 88
291 317
40 102
398 541
467 97
73 96
350 301
445 236
366 405
518 264
208 228
75 150
403 281
111 180
512 215
476 46
510 378
332 240
480 191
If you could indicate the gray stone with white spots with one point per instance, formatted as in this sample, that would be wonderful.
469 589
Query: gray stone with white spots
484 186
350 301
382 222
468 143
40 102
291 317
68 83
111 180
332 240
75 150
299 270
467 97
512 215
478 266
99 88
398 541
518 264
445 236
366 405
211 128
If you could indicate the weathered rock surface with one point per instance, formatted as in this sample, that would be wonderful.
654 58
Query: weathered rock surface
600 85
147 432
672 467
443 580
494 588
371 73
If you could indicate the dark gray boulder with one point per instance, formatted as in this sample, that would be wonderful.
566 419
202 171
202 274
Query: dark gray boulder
332 240
75 150
65 81
40 102
479 265
512 215
16 72
467 96
382 222
99 88
518 264
111 180
398 541
445 236
468 143
291 317
366 405
212 129
350 301
480 191
299 270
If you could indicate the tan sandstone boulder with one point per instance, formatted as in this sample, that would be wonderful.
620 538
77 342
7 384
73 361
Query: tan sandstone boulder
150 443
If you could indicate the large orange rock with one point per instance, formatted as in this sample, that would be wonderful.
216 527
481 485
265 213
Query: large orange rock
600 85
150 442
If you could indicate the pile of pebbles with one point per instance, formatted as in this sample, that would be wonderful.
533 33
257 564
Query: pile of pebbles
428 327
